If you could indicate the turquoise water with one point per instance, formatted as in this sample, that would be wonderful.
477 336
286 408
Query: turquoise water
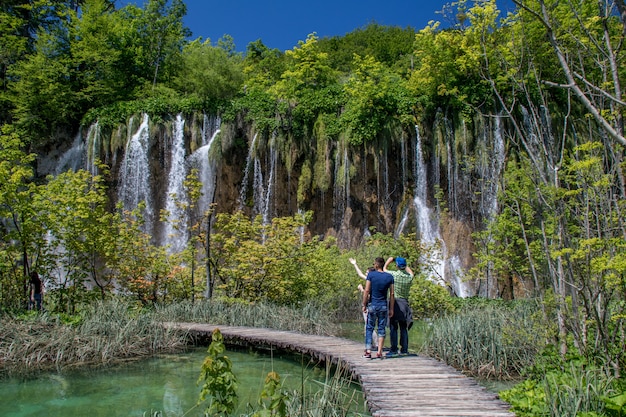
166 384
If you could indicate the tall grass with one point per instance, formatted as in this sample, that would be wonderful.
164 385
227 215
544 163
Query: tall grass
307 318
336 396
495 341
109 332
119 330
577 391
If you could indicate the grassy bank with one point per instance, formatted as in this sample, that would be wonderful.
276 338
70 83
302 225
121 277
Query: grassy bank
119 330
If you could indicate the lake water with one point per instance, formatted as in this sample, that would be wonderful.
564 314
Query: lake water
166 384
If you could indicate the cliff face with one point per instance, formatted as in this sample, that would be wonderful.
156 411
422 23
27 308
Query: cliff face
388 186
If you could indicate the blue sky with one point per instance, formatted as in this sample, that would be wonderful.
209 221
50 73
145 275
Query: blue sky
282 23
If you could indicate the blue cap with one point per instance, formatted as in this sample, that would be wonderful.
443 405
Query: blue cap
400 262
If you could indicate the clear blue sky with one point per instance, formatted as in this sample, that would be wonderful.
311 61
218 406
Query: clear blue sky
282 23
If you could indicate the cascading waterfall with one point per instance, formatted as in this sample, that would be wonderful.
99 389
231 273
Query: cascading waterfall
93 149
452 264
175 233
453 177
267 209
206 169
258 187
134 175
491 172
73 158
496 166
341 190
246 173
428 232
402 223
403 160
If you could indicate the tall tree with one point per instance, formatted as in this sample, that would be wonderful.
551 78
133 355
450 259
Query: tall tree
586 38
160 36
211 73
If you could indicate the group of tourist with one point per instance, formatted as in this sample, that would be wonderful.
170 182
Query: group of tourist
386 300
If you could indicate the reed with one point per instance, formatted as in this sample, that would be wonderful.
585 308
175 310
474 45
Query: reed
110 332
569 394
336 396
307 318
490 341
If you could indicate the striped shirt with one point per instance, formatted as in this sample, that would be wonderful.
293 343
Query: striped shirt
402 281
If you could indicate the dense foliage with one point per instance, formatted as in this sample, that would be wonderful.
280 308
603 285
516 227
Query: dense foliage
552 72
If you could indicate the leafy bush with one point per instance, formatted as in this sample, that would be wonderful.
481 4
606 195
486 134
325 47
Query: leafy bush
429 300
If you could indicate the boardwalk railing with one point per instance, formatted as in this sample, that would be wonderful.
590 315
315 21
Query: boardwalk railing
403 386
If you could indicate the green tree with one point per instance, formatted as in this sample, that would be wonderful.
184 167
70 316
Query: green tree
389 45
72 210
42 95
262 66
307 68
18 236
160 36
99 51
375 100
272 262
209 72
139 267
447 67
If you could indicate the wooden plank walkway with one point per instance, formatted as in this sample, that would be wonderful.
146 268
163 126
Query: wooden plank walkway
404 386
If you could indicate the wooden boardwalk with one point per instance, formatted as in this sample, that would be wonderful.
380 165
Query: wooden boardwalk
404 386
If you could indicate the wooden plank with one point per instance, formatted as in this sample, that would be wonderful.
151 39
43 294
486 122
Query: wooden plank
406 386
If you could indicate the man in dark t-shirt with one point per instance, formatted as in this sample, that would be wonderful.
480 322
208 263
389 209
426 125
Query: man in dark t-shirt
378 285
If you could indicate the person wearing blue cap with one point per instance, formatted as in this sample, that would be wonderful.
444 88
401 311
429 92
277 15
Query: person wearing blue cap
402 315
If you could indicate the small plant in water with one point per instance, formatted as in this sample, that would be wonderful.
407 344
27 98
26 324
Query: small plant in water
218 379
273 399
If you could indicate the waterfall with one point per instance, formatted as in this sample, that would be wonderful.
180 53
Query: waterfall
206 169
175 230
244 184
429 233
403 160
72 159
258 189
402 223
496 166
134 175
341 189
93 147
491 172
456 277
267 209
453 169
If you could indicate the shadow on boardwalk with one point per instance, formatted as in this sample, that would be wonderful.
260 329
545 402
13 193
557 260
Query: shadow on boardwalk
399 387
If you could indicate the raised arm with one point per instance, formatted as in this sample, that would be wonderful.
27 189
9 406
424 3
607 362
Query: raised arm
358 270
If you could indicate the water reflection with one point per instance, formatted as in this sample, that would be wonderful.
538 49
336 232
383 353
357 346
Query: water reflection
167 384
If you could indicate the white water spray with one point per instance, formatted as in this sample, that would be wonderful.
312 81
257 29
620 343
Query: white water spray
175 230
246 174
135 175
72 159
206 169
